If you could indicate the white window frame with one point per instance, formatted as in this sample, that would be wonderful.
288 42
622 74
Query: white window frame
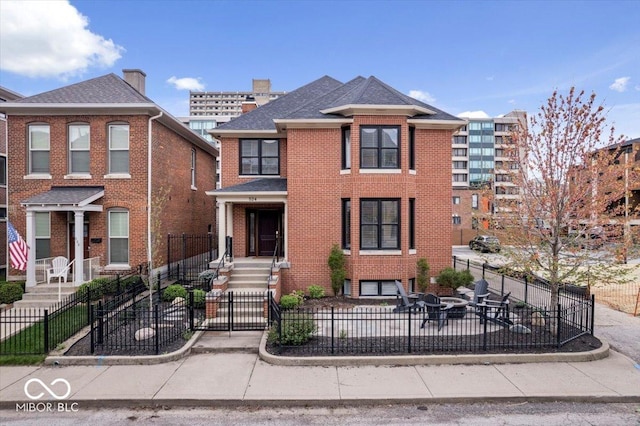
122 236
33 150
86 149
42 232
193 168
113 150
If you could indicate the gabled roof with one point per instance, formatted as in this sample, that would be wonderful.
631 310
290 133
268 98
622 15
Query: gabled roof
326 100
106 95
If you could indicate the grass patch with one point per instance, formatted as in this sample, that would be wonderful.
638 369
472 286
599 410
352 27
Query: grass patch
30 341
22 359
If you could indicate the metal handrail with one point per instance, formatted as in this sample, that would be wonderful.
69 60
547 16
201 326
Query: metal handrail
220 264
274 259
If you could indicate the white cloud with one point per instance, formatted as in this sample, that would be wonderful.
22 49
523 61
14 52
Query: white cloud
490 78
50 39
186 83
512 101
422 96
620 84
473 114
638 87
624 118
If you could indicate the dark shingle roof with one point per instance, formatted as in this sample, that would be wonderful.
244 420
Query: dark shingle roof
308 101
258 185
108 89
64 195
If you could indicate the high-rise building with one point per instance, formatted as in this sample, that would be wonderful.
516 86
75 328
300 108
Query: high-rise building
230 103
479 162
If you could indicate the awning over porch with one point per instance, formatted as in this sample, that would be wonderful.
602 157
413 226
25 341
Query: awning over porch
265 185
66 196
76 199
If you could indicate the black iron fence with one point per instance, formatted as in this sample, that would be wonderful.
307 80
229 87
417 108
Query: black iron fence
36 331
381 331
231 311
189 254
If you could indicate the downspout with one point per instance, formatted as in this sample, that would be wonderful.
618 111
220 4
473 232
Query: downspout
149 250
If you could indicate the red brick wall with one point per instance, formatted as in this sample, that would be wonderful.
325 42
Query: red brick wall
172 156
3 196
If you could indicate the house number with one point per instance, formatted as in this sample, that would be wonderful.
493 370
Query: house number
253 198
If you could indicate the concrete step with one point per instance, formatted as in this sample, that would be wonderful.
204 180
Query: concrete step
44 296
42 304
248 283
252 264
250 272
52 288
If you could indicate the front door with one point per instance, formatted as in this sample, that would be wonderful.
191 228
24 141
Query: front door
262 226
72 243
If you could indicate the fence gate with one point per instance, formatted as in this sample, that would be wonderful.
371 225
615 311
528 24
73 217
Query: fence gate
232 311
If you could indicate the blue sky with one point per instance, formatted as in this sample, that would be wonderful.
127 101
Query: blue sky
491 56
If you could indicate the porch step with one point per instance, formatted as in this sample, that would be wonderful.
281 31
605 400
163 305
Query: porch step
248 285
34 297
52 288
41 304
251 263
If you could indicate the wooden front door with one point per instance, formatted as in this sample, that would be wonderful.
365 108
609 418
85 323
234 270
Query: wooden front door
262 226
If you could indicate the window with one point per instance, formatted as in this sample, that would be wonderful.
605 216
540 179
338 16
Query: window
456 200
379 147
458 177
474 223
412 148
474 201
474 125
118 237
3 213
412 223
378 288
346 223
460 165
43 235
3 170
346 288
462 140
412 285
78 135
456 220
193 168
39 145
346 148
459 152
379 224
118 148
259 157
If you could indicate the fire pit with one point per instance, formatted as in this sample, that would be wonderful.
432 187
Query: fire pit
459 308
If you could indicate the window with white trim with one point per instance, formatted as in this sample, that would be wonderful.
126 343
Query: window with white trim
118 236
43 235
39 148
193 168
259 157
79 146
346 148
119 148
3 170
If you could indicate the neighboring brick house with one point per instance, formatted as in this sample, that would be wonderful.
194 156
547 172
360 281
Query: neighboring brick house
6 95
357 164
79 165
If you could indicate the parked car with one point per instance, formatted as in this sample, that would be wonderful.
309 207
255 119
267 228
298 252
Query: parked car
485 243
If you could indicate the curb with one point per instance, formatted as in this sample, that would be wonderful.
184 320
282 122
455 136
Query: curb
484 359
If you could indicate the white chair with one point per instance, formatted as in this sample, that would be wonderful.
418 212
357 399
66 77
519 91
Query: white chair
59 269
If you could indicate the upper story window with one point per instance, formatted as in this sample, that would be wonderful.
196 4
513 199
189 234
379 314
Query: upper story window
39 148
461 140
412 223
346 148
346 223
118 148
3 170
459 152
79 148
379 147
380 224
412 148
259 157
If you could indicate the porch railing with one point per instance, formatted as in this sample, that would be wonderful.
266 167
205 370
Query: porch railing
90 271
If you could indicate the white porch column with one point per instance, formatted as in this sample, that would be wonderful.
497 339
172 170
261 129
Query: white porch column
230 221
78 242
222 228
286 231
31 243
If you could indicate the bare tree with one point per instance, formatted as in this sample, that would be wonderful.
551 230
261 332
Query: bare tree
565 163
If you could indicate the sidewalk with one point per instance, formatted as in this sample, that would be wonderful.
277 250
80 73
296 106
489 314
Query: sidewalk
241 378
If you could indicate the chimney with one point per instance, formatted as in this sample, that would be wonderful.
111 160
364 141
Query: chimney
249 104
135 78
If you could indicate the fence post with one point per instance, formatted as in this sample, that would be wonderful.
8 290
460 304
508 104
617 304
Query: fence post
485 313
100 323
184 255
46 331
169 255
156 323
526 289
483 268
502 286
91 336
89 303
593 312
454 262
409 332
210 242
468 264
558 339
191 322
230 310
332 332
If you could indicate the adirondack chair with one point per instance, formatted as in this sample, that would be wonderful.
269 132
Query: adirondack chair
407 301
496 311
59 269
435 310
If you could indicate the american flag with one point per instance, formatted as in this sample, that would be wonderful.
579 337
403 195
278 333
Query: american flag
18 249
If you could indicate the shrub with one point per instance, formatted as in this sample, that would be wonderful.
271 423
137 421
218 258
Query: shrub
296 329
316 292
451 278
106 285
289 301
10 292
96 290
337 263
199 298
173 291
423 274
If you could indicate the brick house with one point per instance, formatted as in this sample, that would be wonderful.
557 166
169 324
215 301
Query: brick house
89 159
356 164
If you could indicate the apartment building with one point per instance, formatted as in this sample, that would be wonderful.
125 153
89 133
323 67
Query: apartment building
479 163
229 104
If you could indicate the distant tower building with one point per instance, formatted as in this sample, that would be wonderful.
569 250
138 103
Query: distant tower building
229 104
